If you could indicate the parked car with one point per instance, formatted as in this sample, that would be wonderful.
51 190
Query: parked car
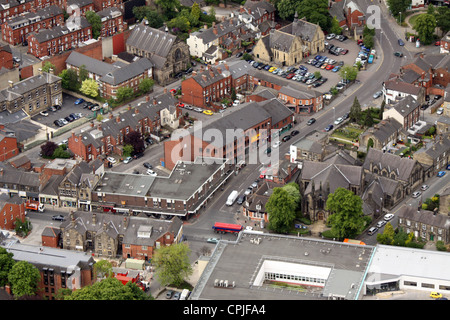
331 36
440 111
176 296
152 173
416 194
294 133
435 295
311 121
329 128
338 120
169 294
79 101
208 112
276 144
239 54
286 138
111 159
58 123
212 240
128 160
240 199
388 216
377 94
44 113
424 187
58 217
400 42
372 231
381 223
148 165
441 173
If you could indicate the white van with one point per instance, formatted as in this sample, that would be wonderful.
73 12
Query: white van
232 198
184 294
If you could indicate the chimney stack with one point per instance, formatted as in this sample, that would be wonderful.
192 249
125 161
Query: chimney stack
118 118
94 219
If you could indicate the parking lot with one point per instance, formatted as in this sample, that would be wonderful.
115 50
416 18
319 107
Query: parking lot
68 106
332 77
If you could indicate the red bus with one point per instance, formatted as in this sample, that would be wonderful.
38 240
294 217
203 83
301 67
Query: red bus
227 227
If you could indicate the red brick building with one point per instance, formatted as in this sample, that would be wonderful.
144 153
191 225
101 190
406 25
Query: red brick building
112 21
207 88
11 208
50 237
301 101
6 57
15 30
8 146
51 42
103 4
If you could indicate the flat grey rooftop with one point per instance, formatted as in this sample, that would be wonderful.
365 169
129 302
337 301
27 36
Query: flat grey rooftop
240 262
125 184
185 179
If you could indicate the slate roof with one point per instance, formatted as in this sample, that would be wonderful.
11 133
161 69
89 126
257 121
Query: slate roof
125 73
276 109
406 105
384 129
424 217
156 43
258 8
337 10
302 28
332 175
211 75
32 17
437 149
222 28
109 13
300 94
22 87
403 166
402 86
92 65
238 68
44 35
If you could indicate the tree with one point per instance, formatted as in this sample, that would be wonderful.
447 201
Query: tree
172 264
396 6
103 268
89 87
431 9
368 41
48 149
387 237
196 13
127 150
109 289
83 74
47 66
6 264
425 25
293 191
443 19
61 153
383 104
355 111
135 139
96 23
287 8
22 228
347 219
169 8
315 11
24 278
69 80
335 27
146 85
348 72
281 210
317 75
123 94
368 120
154 19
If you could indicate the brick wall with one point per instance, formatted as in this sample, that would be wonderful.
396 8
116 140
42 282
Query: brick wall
9 213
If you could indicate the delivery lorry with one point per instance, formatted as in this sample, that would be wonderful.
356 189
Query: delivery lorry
232 198
35 206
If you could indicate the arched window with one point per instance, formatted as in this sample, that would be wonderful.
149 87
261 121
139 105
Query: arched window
178 55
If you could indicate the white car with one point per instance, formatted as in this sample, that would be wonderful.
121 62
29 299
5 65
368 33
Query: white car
331 36
377 94
44 113
416 194
127 160
111 159
236 103
381 223
276 144
424 187
339 120
388 216
440 111
152 173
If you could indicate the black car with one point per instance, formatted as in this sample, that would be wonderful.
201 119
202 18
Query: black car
138 155
58 123
329 128
311 121
148 165
346 115
69 118
178 75
189 70
240 199
286 138
295 132
57 107
239 55
58 218
424 106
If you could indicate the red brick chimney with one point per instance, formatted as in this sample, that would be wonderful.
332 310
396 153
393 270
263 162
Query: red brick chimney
118 118
214 28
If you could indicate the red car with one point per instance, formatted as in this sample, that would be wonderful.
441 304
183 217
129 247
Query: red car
345 51
290 75
181 105
437 43
329 67
173 90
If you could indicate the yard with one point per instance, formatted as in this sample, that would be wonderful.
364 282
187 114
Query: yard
348 134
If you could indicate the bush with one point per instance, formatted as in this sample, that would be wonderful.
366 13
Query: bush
440 246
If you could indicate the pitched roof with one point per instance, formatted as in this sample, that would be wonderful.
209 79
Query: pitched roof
127 72
384 129
402 86
406 105
424 217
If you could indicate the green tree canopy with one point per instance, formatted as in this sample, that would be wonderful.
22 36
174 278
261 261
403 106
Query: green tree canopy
108 289
355 111
96 23
168 8
335 27
24 278
69 80
123 94
346 218
425 25
154 19
443 19
348 72
281 209
47 66
172 264
6 264
397 6
293 190
89 87
146 85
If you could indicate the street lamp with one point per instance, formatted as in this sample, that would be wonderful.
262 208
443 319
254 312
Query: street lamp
400 18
